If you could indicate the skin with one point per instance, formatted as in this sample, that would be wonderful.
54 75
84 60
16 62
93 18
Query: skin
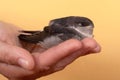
24 61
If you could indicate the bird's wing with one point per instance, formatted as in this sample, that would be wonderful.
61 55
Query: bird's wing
28 32
33 37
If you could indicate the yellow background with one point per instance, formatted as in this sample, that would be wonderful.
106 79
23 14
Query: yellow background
35 14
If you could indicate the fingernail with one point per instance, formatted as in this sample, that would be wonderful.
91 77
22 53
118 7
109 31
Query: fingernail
23 63
96 50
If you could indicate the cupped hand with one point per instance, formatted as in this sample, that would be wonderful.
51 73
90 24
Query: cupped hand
24 61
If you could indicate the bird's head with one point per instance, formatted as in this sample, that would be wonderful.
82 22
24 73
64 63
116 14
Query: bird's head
79 26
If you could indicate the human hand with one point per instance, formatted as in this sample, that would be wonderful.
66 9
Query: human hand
41 62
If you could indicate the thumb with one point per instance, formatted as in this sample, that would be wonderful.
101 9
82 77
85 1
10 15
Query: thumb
15 56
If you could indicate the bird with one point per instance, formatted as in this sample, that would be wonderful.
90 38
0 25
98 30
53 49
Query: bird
59 30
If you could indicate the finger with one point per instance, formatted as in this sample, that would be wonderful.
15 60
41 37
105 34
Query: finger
12 71
88 45
55 54
16 56
91 45
96 49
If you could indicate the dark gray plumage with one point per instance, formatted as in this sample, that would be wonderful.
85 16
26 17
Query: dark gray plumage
59 30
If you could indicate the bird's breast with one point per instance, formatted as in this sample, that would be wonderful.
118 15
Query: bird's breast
50 41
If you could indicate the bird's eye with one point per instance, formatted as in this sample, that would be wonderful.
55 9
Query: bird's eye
85 23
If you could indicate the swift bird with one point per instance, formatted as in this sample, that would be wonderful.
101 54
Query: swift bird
59 30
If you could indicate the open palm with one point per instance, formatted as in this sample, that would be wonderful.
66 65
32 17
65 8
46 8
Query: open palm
25 61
